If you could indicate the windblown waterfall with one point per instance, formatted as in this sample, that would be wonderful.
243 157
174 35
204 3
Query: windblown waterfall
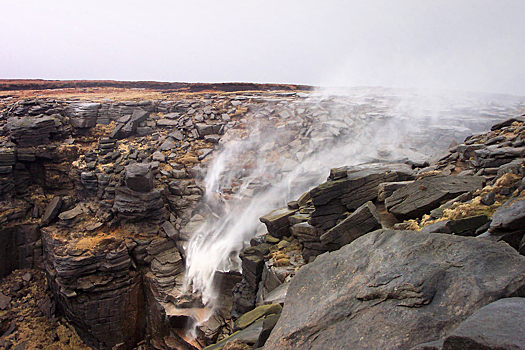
275 160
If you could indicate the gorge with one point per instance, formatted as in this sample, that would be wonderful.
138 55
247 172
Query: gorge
174 220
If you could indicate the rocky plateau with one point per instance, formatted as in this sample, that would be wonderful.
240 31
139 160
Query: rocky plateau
370 218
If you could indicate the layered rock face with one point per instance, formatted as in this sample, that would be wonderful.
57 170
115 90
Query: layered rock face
98 291
111 192
137 199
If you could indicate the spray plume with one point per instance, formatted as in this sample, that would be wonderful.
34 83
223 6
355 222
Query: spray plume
276 163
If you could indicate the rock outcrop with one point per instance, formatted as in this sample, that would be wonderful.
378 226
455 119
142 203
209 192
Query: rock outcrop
495 326
349 188
394 290
104 196
420 197
97 289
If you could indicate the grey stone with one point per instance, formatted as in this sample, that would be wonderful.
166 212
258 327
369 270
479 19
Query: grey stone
428 193
31 131
71 214
332 198
177 135
204 129
167 122
365 219
249 335
170 230
496 326
386 189
394 290
144 131
52 210
510 216
139 177
213 138
5 301
157 156
83 115
277 222
167 145
462 227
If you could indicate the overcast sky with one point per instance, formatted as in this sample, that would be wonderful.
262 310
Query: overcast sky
474 45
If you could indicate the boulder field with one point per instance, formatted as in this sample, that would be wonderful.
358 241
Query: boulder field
395 250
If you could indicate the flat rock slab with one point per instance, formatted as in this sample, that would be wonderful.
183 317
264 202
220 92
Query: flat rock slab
257 313
423 195
359 185
394 290
52 210
277 222
462 227
510 216
497 326
365 219
5 301
249 335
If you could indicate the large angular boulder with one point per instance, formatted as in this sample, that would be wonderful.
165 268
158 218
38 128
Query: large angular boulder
365 219
31 131
423 195
510 216
394 290
83 115
350 187
497 326
134 121
139 177
277 222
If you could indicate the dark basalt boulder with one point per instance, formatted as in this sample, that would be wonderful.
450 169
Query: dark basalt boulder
423 195
394 290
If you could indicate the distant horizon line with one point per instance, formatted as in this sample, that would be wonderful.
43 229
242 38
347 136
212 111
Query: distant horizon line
13 84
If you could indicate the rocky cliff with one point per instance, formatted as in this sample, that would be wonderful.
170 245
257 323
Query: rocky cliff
105 196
